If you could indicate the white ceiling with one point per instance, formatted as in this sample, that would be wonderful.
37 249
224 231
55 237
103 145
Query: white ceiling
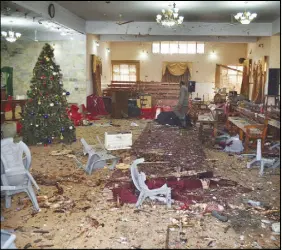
30 24
193 11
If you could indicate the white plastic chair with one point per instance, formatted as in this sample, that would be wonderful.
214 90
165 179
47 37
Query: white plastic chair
139 182
7 240
97 159
15 170
263 161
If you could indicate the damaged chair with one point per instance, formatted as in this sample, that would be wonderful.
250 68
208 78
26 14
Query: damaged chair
139 182
258 158
15 171
97 160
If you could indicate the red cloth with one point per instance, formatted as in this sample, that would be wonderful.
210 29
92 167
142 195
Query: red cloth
147 113
18 127
95 105
8 106
74 115
89 117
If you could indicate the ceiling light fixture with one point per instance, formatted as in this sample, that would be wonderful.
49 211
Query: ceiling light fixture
169 17
245 17
11 36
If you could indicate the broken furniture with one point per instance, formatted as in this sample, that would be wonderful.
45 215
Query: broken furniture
207 119
7 240
15 170
263 161
139 182
116 141
250 128
97 160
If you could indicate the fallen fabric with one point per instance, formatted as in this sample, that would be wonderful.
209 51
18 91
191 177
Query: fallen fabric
181 189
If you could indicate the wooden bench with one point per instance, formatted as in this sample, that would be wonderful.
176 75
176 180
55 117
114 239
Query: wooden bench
158 90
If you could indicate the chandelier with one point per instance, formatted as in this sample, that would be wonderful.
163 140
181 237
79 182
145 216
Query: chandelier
246 17
11 36
169 17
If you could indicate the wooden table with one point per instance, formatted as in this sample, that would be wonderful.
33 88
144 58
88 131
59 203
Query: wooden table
13 103
250 128
207 119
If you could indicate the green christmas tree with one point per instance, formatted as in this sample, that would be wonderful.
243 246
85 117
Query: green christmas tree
45 117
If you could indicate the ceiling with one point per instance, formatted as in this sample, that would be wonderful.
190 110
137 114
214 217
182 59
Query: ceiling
193 11
29 24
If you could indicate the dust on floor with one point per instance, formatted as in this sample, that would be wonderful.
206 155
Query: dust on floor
78 212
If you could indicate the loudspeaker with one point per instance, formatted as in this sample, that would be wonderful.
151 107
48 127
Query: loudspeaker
191 86
273 81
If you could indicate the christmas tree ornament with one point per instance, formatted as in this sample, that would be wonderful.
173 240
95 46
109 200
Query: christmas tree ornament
55 73
68 93
47 59
45 116
51 104
64 93
36 125
39 102
31 124
70 127
62 129
61 137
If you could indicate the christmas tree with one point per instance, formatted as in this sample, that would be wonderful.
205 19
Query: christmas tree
45 118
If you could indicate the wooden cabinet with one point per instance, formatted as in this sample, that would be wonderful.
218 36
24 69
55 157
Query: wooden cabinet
119 104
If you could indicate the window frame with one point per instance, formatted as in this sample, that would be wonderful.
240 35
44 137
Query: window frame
127 62
180 43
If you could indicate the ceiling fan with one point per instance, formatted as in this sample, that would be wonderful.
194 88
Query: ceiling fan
120 22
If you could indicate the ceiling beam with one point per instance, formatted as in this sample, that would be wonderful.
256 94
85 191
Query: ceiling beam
62 15
149 38
188 29
276 26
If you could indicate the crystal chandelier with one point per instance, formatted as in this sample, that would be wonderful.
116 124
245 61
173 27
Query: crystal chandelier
170 17
11 36
246 17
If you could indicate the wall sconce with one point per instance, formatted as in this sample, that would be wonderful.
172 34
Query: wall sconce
261 45
97 43
108 50
213 55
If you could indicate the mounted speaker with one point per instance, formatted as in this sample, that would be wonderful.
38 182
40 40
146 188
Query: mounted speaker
273 81
191 86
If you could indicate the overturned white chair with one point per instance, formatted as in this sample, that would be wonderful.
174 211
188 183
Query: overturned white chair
154 194
15 171
96 159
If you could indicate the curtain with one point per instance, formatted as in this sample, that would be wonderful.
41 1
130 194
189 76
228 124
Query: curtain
168 77
9 80
177 68
259 80
96 65
245 80
217 76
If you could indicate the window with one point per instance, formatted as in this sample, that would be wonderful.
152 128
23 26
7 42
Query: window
231 79
127 71
200 48
178 47
165 47
182 48
156 48
191 48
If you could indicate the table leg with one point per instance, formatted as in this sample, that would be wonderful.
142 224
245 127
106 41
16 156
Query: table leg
200 130
215 129
241 134
13 111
